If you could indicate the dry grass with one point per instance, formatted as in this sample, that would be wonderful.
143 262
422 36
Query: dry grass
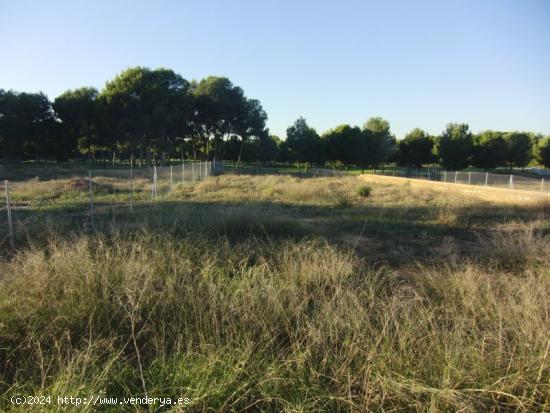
463 191
214 297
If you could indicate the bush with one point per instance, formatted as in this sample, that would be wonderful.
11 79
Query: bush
364 191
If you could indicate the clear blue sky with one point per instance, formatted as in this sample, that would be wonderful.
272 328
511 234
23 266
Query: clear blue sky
415 63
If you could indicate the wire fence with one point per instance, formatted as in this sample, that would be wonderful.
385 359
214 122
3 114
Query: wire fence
87 200
509 181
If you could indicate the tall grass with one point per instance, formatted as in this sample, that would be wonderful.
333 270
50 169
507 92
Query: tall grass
272 324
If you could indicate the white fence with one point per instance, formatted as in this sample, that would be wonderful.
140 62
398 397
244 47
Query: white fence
98 192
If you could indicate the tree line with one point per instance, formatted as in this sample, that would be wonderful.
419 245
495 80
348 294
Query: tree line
155 115
141 113
374 145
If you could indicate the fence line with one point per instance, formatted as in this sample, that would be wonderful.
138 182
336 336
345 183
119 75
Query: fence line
92 197
510 181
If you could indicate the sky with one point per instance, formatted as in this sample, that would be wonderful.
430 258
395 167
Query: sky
415 63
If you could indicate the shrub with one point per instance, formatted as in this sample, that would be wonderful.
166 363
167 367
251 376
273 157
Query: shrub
364 191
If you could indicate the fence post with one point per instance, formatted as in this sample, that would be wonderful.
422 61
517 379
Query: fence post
10 222
542 185
156 184
131 185
444 176
511 181
193 170
486 178
171 177
456 172
469 177
182 170
91 199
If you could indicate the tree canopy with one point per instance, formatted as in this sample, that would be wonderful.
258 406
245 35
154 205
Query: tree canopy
543 152
489 150
416 149
519 149
454 146
155 114
302 143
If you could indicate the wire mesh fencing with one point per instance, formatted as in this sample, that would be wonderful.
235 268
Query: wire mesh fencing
92 199
509 181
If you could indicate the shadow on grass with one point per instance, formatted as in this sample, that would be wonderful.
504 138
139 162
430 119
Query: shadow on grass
391 234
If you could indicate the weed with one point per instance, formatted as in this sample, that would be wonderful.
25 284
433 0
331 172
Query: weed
364 191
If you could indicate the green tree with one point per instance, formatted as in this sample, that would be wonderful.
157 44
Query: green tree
416 149
222 111
250 123
454 146
376 144
148 108
124 99
489 150
79 115
216 101
340 143
171 109
543 152
519 149
268 148
302 143
26 122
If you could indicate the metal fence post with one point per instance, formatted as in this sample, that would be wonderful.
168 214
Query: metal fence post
444 176
91 199
469 177
156 184
511 182
131 186
10 222
182 170
542 185
486 178
456 172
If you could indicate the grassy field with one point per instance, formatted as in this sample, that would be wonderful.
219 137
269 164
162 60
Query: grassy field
278 293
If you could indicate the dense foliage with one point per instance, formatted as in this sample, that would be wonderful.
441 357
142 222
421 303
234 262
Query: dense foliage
157 114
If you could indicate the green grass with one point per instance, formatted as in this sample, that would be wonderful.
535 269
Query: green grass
278 293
